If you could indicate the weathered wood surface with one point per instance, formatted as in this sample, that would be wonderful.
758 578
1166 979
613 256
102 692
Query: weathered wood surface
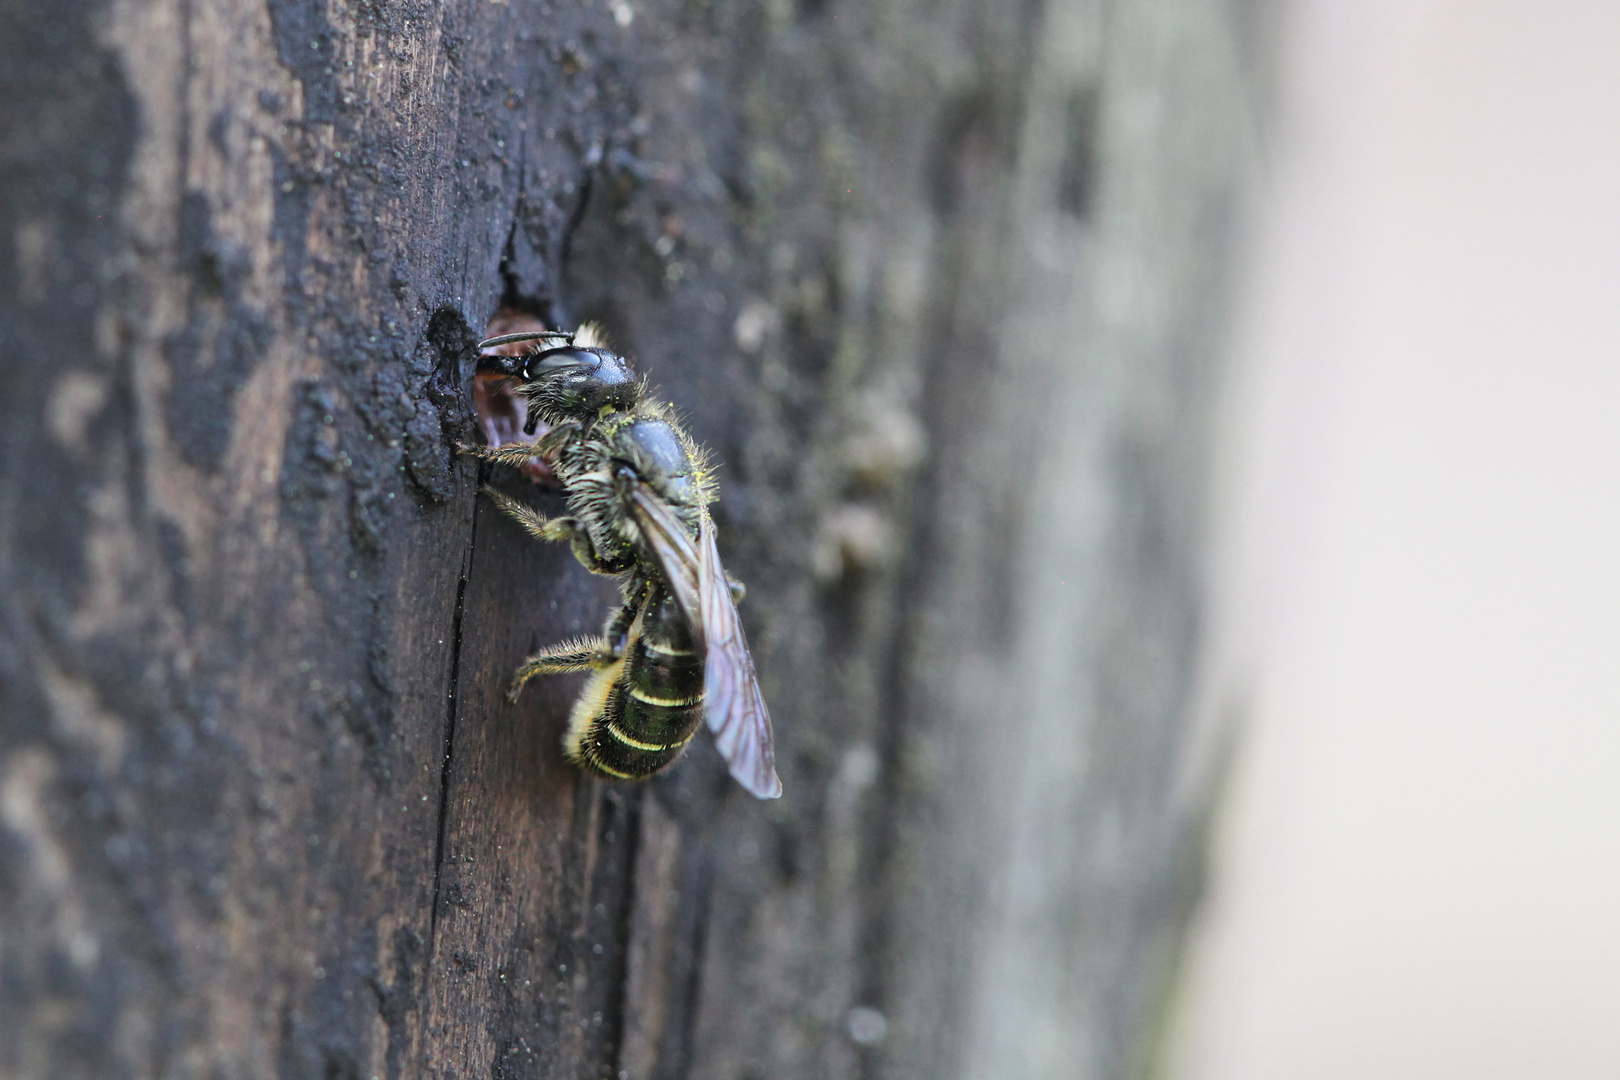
939 283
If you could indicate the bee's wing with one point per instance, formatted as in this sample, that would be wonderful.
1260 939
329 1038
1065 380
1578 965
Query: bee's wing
674 552
734 707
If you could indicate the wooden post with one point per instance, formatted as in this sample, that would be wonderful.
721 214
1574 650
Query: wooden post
940 284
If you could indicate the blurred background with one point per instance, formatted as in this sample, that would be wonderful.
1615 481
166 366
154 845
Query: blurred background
1417 868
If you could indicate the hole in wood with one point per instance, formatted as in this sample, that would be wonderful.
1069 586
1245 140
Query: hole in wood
500 411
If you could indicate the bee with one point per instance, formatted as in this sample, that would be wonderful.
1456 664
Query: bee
638 491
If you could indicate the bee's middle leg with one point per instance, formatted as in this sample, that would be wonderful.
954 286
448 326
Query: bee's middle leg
534 523
564 529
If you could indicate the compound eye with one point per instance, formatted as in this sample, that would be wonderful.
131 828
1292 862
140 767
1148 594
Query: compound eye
551 361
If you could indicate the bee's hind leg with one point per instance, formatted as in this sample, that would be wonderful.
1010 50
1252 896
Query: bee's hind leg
580 654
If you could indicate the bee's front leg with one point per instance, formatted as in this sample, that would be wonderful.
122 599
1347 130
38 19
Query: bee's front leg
515 454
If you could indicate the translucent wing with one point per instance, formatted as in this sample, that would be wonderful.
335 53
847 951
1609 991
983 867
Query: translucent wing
674 552
734 707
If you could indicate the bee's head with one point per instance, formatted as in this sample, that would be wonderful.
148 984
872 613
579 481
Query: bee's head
576 383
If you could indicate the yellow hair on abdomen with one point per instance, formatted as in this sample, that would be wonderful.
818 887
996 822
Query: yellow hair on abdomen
588 709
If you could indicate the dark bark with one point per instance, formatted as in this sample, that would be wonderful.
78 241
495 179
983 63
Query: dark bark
939 284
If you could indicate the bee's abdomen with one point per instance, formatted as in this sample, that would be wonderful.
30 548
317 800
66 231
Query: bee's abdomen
652 706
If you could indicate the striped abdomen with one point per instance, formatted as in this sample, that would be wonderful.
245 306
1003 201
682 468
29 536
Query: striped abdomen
638 713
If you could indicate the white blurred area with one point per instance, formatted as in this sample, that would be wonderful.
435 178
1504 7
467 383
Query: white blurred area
1417 875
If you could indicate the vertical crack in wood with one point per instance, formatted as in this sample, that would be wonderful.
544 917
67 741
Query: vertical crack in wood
450 729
